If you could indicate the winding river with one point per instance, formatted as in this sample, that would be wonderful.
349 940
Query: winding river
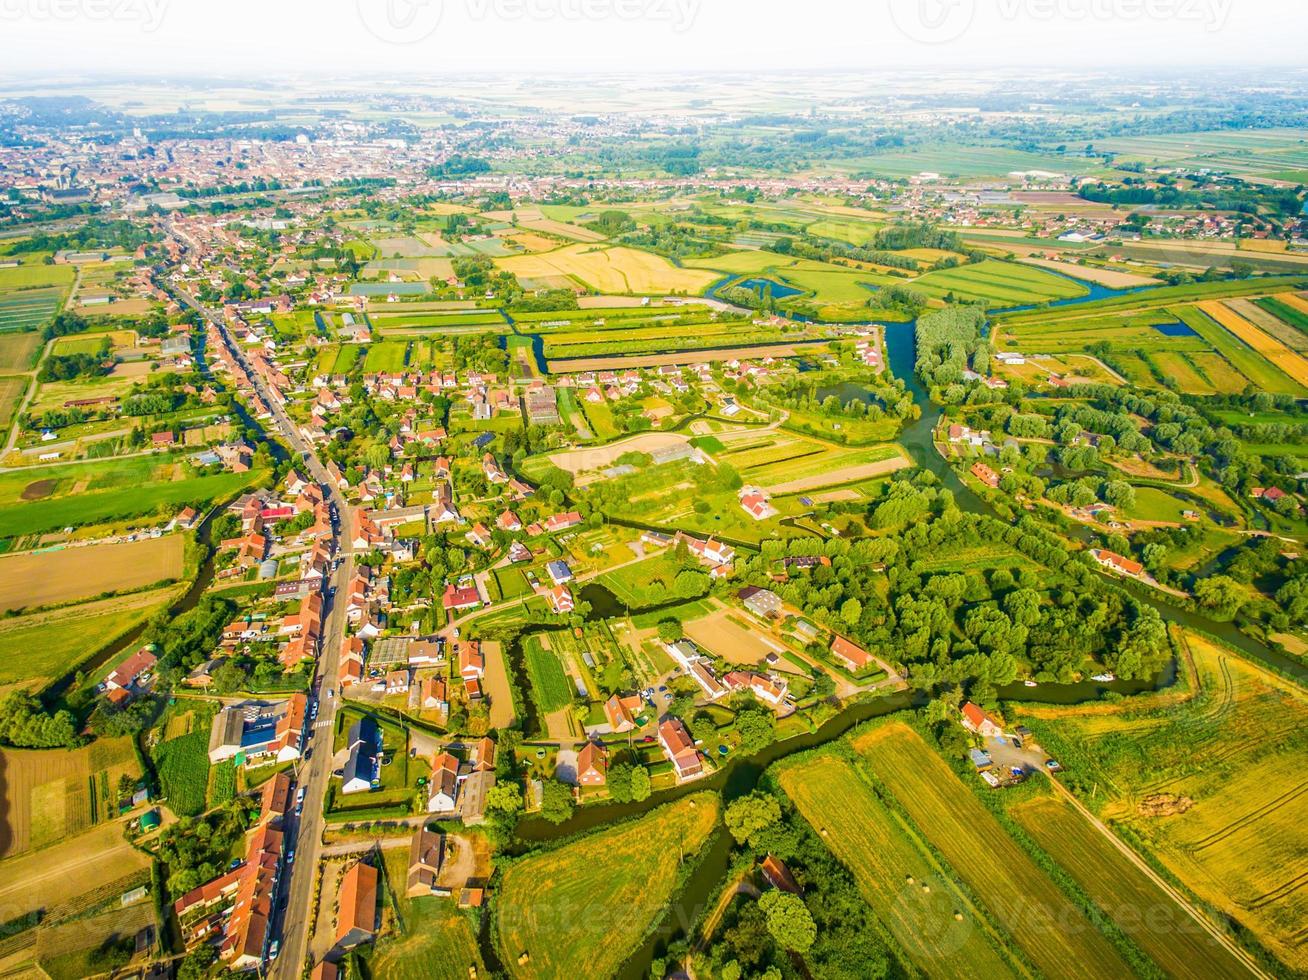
740 774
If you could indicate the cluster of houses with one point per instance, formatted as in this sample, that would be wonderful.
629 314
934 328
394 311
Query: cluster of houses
459 787
235 909
259 732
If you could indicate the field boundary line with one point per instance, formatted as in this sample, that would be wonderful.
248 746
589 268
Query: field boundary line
1234 948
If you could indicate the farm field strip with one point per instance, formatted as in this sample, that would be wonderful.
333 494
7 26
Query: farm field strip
1233 752
1175 365
1243 358
901 881
1276 319
997 870
999 282
1269 347
609 887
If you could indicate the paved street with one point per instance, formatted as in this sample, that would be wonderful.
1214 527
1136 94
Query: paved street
290 922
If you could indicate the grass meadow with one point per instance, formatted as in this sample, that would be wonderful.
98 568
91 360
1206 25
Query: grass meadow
604 891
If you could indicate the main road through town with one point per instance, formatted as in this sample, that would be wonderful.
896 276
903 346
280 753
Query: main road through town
291 922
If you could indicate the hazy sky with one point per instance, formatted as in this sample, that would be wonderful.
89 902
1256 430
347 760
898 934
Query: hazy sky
269 36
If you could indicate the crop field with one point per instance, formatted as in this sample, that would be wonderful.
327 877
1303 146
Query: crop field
50 577
1212 787
11 396
998 284
26 277
1224 378
38 648
605 889
1003 876
548 226
29 309
1152 300
1253 365
1176 366
1243 152
954 160
62 874
51 795
550 686
902 882
1269 347
790 464
183 765
1276 318
87 507
609 270
1145 912
653 339
1112 278
18 350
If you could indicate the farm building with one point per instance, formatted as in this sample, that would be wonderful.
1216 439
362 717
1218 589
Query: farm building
257 730
854 657
761 602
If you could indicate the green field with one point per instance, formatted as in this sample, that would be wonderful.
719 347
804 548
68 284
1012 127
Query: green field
884 854
183 767
999 284
387 356
1152 504
19 517
38 648
605 890
1003 876
550 686
632 584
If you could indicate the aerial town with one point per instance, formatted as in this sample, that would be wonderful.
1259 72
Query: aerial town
765 527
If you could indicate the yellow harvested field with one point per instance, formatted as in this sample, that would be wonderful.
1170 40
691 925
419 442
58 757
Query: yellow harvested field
1262 245
1269 347
583 460
64 871
561 228
1210 783
1295 300
530 241
50 795
45 578
1019 895
610 270
1104 277
849 474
